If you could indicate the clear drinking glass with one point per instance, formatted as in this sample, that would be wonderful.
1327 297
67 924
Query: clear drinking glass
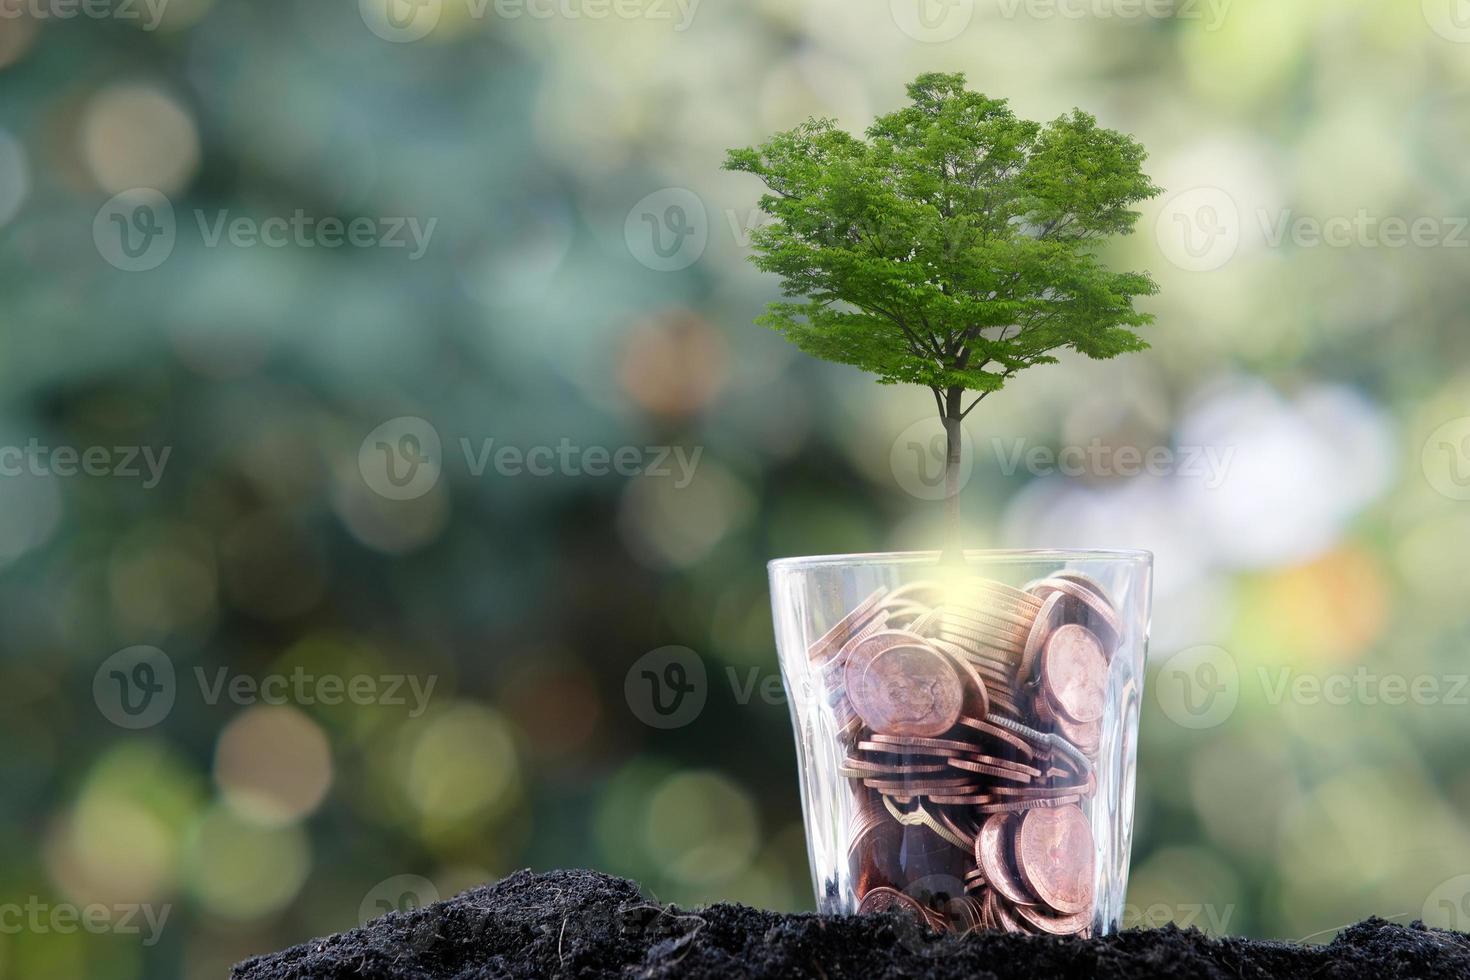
966 731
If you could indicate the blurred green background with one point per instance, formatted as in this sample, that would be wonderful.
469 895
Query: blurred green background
585 284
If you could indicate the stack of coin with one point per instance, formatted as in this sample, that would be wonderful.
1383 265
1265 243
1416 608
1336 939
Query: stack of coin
970 716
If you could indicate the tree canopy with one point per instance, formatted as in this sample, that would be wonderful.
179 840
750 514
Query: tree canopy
955 245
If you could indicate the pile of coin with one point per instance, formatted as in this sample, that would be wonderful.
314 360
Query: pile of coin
970 716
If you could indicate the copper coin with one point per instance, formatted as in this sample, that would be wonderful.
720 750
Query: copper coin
977 694
1022 806
972 800
999 620
964 913
1008 764
834 667
965 633
831 641
1074 673
1004 917
1087 738
999 772
883 898
1084 604
1087 582
1000 734
1055 856
1038 792
990 590
992 855
1048 618
987 909
1055 925
867 769
923 787
965 832
915 745
899 685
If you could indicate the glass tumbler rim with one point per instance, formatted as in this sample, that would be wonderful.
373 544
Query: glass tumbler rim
993 556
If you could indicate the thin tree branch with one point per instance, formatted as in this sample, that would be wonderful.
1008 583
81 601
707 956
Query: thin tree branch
978 399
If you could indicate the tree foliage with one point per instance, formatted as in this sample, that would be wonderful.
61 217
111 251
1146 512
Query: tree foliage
955 245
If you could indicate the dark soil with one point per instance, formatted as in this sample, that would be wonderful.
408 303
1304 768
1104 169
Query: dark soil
585 924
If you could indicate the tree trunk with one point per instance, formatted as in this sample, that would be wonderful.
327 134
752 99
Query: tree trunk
953 443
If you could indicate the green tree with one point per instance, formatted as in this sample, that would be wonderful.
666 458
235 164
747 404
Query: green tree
953 247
